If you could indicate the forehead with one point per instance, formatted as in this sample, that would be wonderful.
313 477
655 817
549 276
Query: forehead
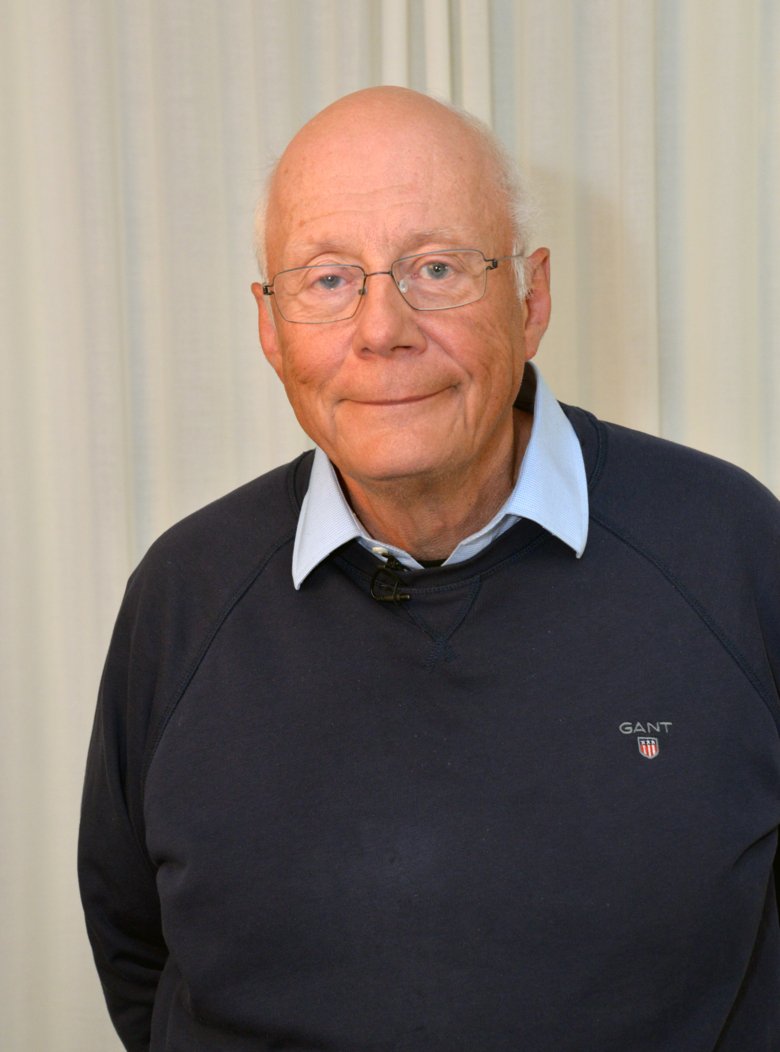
380 187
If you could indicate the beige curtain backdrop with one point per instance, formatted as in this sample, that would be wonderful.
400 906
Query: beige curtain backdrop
134 134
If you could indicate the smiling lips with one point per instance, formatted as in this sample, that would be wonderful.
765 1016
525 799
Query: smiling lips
410 400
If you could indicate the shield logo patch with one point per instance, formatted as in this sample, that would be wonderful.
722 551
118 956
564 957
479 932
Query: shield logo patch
648 747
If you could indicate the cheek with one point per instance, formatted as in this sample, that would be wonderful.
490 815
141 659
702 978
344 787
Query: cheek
491 353
310 377
307 363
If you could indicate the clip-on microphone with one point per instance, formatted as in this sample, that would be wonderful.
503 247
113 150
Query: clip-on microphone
385 583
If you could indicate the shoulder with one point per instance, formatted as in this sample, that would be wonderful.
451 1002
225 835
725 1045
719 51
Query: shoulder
183 591
229 537
710 528
637 478
199 569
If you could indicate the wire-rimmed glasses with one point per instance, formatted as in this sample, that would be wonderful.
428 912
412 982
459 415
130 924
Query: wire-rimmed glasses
428 281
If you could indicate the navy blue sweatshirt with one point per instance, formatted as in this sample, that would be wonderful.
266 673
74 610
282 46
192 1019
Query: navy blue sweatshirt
532 809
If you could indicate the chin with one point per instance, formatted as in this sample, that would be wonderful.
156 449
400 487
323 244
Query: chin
387 466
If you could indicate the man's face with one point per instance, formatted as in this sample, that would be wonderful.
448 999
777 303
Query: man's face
393 393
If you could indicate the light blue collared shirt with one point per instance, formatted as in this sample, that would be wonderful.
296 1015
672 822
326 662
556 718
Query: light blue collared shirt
551 489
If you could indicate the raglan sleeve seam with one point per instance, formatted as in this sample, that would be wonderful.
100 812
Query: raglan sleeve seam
768 696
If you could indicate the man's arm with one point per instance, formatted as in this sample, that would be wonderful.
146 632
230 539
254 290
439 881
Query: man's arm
115 874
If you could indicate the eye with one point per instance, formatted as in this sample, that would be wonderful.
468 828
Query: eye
435 269
328 280
331 281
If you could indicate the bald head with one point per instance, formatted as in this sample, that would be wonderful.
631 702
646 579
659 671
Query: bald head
386 135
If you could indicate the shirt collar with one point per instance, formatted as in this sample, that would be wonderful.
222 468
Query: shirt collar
551 489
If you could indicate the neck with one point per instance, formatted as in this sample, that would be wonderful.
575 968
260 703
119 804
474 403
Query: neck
428 517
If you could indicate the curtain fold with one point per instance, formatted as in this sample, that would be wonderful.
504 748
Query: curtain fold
135 137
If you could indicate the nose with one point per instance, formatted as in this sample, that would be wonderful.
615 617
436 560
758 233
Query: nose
384 322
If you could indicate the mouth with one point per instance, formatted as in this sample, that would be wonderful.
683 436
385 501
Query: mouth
408 400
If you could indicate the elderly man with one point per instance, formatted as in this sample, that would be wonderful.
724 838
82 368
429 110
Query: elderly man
460 733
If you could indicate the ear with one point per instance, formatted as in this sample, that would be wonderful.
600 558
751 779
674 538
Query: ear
266 326
536 308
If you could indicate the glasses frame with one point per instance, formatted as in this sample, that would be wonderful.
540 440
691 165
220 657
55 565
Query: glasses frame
491 263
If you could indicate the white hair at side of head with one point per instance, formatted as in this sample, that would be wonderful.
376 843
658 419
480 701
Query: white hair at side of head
260 218
521 207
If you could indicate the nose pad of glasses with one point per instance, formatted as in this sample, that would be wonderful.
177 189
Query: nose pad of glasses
403 285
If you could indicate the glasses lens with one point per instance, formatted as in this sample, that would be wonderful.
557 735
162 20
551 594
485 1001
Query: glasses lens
439 280
315 294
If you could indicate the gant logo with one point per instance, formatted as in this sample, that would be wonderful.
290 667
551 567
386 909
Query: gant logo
648 747
648 740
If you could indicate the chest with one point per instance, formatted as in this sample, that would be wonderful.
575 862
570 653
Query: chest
481 785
